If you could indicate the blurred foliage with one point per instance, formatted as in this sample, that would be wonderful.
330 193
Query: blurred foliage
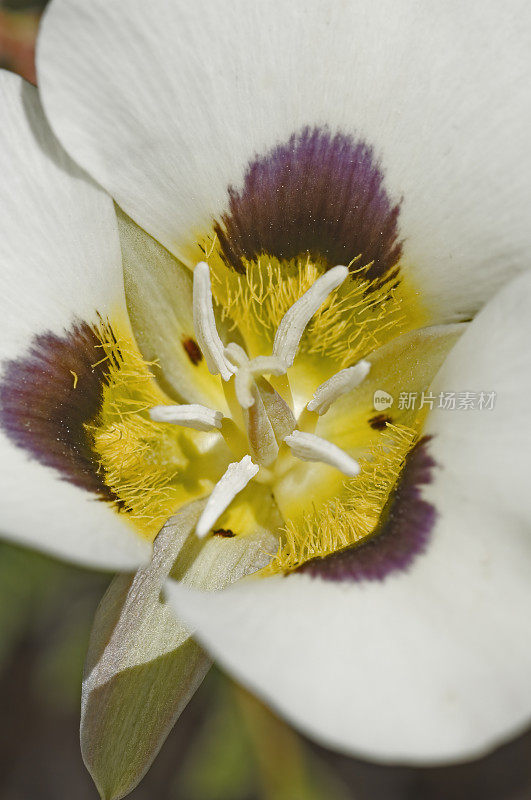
244 751
24 6
32 595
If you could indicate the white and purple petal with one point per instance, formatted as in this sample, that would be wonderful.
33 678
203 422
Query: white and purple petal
43 411
320 194
186 113
61 259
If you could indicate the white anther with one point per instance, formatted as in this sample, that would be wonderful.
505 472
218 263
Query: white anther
205 324
339 384
309 447
234 480
294 321
195 416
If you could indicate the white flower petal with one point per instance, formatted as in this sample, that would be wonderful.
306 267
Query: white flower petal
430 664
166 104
61 265
485 454
59 247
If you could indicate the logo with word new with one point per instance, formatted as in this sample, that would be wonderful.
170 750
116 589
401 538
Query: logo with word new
382 400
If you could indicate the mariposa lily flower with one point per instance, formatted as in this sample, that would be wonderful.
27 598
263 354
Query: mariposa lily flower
313 201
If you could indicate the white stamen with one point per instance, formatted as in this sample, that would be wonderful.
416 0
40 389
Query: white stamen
294 321
205 324
236 355
309 447
339 384
234 480
195 416
247 370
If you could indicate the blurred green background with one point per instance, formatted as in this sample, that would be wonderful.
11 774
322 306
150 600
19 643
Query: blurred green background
226 746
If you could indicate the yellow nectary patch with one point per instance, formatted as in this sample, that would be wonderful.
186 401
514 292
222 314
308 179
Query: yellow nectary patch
344 521
143 462
362 315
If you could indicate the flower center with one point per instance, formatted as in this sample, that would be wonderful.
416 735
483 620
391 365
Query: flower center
262 420
295 447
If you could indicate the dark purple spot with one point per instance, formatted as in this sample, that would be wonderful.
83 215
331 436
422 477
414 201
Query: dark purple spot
192 350
379 421
401 535
225 532
48 395
318 194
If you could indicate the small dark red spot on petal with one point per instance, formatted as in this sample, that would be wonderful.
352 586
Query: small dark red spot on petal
193 350
379 422
225 532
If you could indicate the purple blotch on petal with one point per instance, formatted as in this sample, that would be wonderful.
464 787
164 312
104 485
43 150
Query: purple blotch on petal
320 194
48 395
401 535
